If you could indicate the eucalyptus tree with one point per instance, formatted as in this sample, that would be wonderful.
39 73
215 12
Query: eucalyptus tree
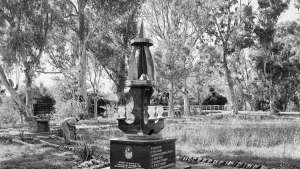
280 68
112 49
25 26
265 29
177 38
228 25
88 29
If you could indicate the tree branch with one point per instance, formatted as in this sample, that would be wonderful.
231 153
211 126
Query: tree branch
45 72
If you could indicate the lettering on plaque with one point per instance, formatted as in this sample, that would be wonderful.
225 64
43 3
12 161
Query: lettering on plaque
161 157
128 165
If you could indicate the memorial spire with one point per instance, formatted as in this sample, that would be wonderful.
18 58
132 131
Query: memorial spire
141 32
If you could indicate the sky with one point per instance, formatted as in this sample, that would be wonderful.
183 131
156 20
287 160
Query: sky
292 14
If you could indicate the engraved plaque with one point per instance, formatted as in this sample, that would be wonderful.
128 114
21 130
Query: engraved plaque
142 154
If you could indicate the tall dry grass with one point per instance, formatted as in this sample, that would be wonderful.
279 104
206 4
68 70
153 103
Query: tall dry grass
265 138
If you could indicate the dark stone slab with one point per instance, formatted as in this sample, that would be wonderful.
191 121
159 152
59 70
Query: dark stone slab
256 166
142 154
230 163
195 160
200 159
240 165
215 162
43 126
249 166
210 161
222 162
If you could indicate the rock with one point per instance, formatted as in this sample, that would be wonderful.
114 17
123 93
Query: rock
200 159
240 165
90 163
215 162
82 165
205 160
230 163
190 160
95 162
187 158
249 166
86 164
221 162
263 167
256 166
235 163
69 159
97 166
195 160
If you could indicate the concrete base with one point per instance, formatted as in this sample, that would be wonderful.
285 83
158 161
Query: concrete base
43 126
142 154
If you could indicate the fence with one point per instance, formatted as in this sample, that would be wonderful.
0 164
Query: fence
163 111
212 107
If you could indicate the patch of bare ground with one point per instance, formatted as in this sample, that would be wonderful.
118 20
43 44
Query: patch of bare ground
34 157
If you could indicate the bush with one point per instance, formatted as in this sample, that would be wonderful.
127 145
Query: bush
85 151
69 108
9 115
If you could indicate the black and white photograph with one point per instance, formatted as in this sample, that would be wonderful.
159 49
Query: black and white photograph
149 84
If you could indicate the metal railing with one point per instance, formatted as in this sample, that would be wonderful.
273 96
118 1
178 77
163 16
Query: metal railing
212 107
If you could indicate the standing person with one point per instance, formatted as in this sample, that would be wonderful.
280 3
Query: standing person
68 127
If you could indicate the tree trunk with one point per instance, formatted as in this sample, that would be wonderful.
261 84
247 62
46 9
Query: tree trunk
21 106
95 107
171 99
272 105
230 85
198 96
273 109
186 103
121 77
82 53
82 77
28 91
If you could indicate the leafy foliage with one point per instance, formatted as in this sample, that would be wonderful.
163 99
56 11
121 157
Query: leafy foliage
214 99
275 60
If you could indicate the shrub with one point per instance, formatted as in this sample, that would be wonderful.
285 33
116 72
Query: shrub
9 115
85 151
22 135
68 108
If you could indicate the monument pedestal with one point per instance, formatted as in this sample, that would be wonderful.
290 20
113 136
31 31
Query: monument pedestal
142 154
42 125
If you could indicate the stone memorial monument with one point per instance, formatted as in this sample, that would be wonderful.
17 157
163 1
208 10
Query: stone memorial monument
142 147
